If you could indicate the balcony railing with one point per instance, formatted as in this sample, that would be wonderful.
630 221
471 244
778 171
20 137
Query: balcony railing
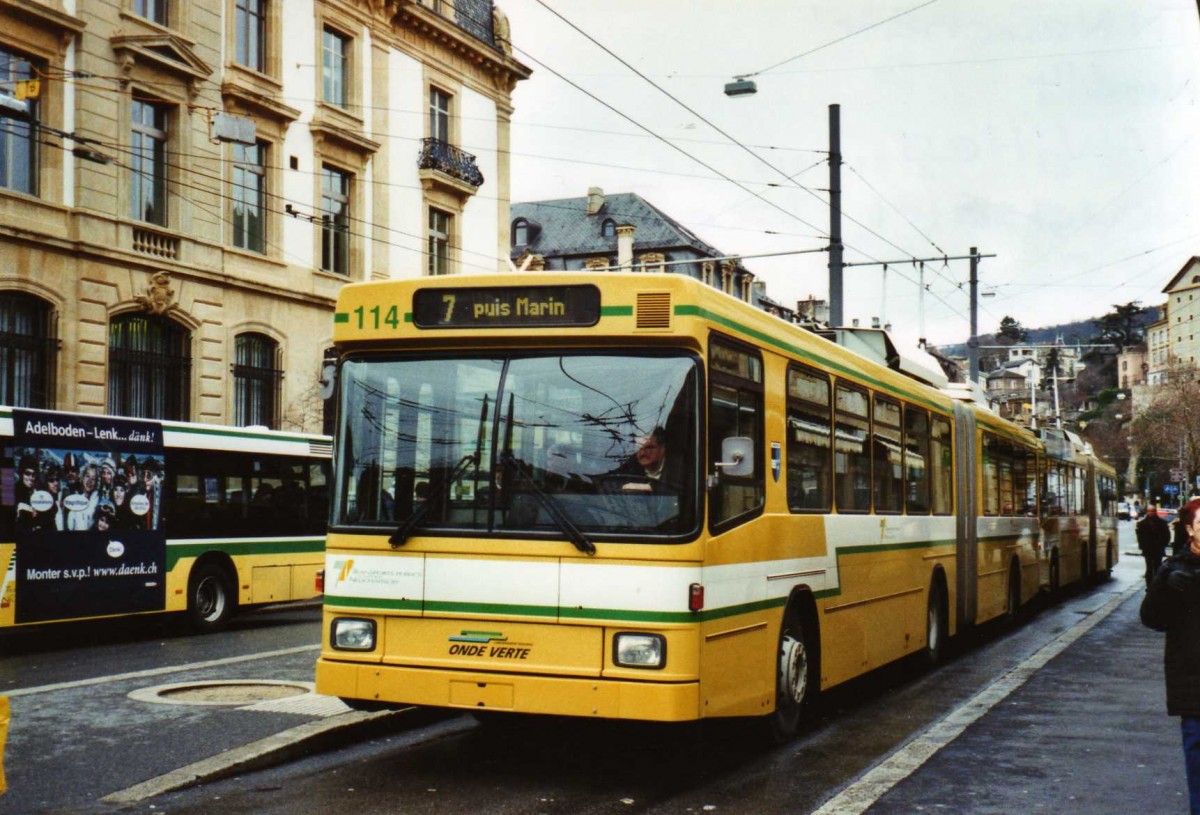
449 160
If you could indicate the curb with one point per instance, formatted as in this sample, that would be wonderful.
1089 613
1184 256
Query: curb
296 742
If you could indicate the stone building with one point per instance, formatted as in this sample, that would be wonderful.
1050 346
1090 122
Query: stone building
623 232
1183 307
185 186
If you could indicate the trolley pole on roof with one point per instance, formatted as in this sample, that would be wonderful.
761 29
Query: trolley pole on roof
835 216
973 339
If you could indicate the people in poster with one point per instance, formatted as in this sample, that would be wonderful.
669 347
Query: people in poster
75 491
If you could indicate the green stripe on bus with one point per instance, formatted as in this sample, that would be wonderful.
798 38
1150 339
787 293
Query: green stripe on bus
551 613
239 434
876 548
616 311
341 317
178 551
372 603
767 339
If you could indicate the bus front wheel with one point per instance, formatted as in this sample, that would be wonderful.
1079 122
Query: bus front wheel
795 680
211 601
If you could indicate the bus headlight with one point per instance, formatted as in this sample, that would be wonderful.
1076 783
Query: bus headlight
351 634
640 650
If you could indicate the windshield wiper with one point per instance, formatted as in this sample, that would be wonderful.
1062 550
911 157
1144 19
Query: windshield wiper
552 507
436 491
443 485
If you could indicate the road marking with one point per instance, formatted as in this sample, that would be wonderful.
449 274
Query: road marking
191 666
863 793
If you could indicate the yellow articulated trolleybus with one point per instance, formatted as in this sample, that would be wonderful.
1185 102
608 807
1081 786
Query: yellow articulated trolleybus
1079 523
103 516
633 496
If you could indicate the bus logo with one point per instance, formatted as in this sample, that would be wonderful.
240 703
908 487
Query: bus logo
483 637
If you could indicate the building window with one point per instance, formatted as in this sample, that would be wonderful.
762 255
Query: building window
608 229
257 381
249 196
252 34
335 68
18 125
520 232
439 242
149 367
153 10
148 163
335 220
439 115
27 351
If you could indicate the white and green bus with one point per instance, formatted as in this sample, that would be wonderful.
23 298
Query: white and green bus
104 516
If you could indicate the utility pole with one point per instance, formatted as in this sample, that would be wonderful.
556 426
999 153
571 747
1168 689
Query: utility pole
835 216
973 340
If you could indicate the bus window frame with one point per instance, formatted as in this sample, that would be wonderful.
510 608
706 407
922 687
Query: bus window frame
740 384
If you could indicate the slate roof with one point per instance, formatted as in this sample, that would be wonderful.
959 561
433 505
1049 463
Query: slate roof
567 230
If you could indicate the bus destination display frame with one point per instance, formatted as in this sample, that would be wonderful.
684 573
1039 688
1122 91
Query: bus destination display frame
507 307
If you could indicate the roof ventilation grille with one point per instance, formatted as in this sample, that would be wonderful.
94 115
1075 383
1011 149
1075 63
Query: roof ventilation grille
654 309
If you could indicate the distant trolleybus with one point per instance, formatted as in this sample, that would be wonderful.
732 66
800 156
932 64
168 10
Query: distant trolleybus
103 516
633 496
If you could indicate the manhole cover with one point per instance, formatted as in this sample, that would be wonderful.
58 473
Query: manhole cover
225 692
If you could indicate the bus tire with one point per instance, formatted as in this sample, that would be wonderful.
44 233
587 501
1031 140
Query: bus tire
795 679
937 628
211 599
1013 606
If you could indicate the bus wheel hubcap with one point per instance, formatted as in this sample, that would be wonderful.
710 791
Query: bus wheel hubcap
793 669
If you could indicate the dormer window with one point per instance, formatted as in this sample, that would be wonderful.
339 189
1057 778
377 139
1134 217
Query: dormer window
520 233
608 229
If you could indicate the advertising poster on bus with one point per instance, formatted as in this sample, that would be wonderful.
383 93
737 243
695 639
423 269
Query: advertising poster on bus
86 494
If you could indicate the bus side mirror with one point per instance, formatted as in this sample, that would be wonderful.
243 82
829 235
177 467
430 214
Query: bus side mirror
328 379
737 454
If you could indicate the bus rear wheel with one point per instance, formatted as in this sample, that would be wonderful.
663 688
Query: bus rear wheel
936 627
211 601
1013 609
795 681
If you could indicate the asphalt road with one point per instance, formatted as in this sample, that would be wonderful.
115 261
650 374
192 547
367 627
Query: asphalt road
1063 714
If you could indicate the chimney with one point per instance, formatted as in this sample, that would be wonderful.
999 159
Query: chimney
625 247
595 200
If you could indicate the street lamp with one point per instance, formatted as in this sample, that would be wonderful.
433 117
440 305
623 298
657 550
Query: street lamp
740 86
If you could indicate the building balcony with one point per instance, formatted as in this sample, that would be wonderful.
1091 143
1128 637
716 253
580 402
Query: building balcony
443 164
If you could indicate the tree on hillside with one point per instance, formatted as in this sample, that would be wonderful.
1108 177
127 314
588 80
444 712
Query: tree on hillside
1169 427
1011 332
1123 325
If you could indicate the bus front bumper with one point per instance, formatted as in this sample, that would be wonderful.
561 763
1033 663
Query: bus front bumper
518 693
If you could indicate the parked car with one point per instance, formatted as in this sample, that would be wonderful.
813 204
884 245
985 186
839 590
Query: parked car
1126 512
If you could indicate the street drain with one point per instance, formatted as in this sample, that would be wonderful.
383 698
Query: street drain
223 692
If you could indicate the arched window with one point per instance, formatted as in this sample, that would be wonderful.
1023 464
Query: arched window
149 367
520 233
608 229
257 381
27 351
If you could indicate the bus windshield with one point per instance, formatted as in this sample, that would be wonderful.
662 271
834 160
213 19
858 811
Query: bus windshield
521 444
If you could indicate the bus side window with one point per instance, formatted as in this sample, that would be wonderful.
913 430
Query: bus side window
941 467
852 450
808 441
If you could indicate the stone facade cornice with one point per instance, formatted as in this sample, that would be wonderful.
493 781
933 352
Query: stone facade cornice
503 71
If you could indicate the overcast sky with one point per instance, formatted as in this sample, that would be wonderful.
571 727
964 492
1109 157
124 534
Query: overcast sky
1063 136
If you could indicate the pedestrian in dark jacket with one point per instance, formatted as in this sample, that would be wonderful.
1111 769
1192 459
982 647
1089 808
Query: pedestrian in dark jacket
1172 604
1153 535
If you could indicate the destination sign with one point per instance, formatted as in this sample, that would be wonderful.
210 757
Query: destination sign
507 307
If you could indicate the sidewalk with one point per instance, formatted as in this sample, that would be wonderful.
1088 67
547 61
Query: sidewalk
1087 733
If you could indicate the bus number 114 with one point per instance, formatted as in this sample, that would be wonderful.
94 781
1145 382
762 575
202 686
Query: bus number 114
372 315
